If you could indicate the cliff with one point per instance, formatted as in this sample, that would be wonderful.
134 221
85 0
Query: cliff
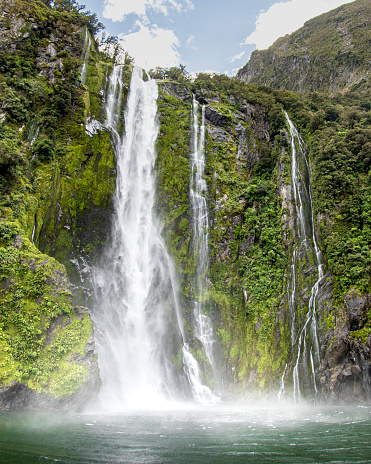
57 183
329 53
254 232
47 162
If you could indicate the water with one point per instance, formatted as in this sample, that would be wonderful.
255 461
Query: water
85 53
32 134
200 237
306 339
226 434
143 359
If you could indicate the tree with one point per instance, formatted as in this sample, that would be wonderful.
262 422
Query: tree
66 5
93 24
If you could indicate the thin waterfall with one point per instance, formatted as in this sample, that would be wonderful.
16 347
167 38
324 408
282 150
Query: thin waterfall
32 134
138 321
85 56
198 192
306 339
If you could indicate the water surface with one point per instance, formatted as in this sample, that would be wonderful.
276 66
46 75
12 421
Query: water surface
223 434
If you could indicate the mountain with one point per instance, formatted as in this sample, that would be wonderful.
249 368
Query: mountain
287 283
329 53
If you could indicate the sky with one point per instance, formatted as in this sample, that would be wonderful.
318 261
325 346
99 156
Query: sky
203 35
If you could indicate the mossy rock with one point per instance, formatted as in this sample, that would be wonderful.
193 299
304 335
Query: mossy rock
44 341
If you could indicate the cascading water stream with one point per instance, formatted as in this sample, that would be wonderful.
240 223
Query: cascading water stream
198 191
308 352
85 58
138 322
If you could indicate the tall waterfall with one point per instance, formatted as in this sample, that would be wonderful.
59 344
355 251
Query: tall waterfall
85 56
198 192
142 355
306 339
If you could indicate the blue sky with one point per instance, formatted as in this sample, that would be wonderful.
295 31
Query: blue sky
204 35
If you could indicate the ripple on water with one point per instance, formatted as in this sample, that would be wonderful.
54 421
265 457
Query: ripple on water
199 435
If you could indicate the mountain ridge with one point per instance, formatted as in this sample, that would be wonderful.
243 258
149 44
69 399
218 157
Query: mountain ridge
329 53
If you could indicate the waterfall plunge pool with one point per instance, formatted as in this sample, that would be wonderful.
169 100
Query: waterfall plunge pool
226 433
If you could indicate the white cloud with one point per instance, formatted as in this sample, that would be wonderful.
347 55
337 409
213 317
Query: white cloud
152 46
191 42
117 10
237 57
286 17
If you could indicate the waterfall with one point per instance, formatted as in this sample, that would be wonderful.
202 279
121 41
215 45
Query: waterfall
198 192
142 355
85 56
32 134
306 339
33 131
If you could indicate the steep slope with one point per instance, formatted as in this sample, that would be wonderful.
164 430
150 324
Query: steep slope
258 289
48 192
329 53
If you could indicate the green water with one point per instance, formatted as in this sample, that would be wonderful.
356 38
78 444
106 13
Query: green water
223 434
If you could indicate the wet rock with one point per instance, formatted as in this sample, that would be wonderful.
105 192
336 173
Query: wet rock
345 372
176 90
216 118
17 396
339 349
342 384
356 306
201 100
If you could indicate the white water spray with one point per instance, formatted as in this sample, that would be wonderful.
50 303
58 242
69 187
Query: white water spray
139 328
307 338
85 54
198 192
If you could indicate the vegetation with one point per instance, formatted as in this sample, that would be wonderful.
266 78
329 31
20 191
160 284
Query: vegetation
34 301
329 53
250 253
54 178
57 181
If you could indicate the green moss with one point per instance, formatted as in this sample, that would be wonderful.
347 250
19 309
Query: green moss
56 369
33 295
362 334
173 171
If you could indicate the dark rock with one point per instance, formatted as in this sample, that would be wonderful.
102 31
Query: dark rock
201 100
216 118
176 90
356 306
342 384
339 349
345 373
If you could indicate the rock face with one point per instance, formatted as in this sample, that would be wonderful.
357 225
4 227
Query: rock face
17 396
47 347
242 204
345 371
19 22
329 53
253 232
47 357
